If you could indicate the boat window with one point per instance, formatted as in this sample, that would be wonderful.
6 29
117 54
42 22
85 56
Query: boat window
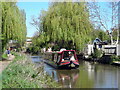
68 55
55 57
58 58
52 57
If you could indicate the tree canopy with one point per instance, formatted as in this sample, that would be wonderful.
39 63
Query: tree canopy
13 25
65 25
101 34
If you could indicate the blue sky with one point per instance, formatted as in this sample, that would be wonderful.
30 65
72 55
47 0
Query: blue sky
32 9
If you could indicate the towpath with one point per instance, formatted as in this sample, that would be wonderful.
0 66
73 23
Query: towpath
5 63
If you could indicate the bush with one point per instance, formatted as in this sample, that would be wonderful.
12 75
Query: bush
4 56
119 57
115 58
56 48
97 53
33 50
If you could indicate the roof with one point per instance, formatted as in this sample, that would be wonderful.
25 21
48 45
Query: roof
59 51
28 40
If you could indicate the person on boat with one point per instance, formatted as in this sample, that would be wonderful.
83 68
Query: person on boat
72 57
44 50
62 49
49 49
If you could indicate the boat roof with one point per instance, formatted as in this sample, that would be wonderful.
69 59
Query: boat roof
59 51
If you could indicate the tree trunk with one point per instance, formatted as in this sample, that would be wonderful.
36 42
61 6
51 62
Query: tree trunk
117 37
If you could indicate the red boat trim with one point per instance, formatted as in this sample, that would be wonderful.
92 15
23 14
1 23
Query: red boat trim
76 63
64 63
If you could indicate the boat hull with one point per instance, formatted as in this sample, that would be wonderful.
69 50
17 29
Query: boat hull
70 65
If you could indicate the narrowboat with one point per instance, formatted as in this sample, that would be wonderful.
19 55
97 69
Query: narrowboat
62 59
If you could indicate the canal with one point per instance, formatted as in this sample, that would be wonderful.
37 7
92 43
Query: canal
88 75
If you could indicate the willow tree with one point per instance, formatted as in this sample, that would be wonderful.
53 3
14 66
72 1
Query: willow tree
66 24
0 29
13 23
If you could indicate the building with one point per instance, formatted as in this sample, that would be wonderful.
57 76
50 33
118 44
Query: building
28 42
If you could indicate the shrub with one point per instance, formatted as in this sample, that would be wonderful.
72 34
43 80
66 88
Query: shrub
97 53
115 58
4 56
33 50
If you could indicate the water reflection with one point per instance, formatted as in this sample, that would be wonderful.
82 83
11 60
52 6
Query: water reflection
102 76
67 78
89 75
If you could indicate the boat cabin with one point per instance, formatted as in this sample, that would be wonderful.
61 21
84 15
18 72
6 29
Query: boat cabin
63 58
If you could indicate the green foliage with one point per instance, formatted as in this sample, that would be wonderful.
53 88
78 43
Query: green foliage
0 19
100 34
56 48
33 49
97 53
115 58
115 34
0 81
4 56
22 73
66 25
1 37
13 23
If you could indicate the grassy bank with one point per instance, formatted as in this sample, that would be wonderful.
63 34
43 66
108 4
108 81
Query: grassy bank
115 58
22 73
4 56
0 81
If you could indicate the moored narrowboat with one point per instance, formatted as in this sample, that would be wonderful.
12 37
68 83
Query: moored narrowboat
62 59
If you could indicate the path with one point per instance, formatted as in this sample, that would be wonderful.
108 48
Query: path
4 64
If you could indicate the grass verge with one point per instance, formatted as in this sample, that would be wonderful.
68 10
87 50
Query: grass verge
4 56
22 73
0 81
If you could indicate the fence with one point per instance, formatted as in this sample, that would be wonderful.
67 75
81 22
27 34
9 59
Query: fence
108 49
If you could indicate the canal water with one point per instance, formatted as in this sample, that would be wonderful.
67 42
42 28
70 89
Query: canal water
88 75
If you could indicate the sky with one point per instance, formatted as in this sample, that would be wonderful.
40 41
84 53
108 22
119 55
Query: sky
32 9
